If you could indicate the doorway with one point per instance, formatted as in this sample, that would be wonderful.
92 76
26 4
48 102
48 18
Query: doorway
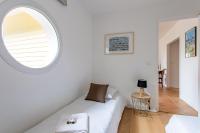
173 65
177 90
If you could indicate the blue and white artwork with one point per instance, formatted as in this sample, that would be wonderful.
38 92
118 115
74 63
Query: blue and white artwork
190 43
119 43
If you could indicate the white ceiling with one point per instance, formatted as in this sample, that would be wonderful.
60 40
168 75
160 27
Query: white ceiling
164 27
109 6
105 6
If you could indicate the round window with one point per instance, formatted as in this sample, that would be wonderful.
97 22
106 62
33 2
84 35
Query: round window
29 37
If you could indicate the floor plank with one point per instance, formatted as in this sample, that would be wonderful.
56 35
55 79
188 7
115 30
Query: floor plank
134 123
170 102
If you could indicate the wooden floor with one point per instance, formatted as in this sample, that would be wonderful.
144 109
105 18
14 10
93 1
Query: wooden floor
170 102
134 123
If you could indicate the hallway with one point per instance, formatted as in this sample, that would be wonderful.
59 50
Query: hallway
170 102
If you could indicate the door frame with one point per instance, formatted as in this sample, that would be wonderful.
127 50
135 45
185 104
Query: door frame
198 54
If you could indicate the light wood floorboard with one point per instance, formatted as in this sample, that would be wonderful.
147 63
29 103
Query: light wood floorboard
134 123
170 102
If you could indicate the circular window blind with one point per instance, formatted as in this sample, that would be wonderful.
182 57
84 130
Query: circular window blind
29 37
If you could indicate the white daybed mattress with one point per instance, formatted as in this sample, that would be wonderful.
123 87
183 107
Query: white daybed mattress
183 124
103 117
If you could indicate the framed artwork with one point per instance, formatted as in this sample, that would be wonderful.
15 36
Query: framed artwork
191 43
119 43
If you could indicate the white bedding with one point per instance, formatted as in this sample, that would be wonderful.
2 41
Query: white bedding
183 124
103 117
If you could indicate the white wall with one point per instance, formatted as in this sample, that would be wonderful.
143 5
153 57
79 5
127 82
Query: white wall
123 71
173 64
26 99
198 50
188 66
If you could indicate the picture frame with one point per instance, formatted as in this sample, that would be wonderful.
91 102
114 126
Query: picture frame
119 43
191 43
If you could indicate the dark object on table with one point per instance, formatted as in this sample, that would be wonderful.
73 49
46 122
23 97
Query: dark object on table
142 84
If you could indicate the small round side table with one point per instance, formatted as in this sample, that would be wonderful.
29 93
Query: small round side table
141 102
